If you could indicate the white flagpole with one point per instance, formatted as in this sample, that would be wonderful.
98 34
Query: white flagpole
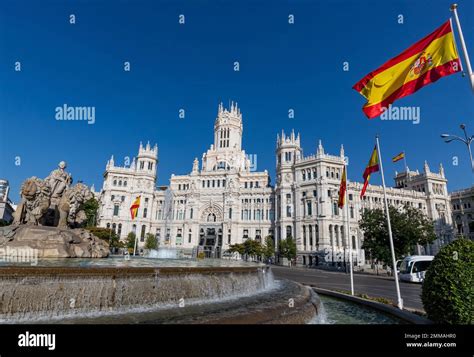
405 161
394 261
463 45
135 245
347 229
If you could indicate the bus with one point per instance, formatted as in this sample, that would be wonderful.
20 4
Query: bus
414 267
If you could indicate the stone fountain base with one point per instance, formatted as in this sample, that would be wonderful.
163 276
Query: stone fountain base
165 295
52 242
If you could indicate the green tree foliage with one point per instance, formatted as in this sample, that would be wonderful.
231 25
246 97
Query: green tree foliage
150 241
106 234
448 288
4 223
287 248
269 248
90 208
409 227
130 241
250 248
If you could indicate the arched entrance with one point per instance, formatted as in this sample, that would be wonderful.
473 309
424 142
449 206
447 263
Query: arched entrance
210 232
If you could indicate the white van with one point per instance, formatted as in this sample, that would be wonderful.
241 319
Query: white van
414 267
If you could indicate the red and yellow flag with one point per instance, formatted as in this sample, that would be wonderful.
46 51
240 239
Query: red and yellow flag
372 166
134 207
399 157
425 62
342 190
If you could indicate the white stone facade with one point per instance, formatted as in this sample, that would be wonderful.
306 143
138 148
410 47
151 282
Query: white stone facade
223 201
462 202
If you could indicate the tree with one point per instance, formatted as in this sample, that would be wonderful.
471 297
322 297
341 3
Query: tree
409 227
130 242
269 248
90 208
150 241
287 248
237 248
250 248
4 223
106 234
448 288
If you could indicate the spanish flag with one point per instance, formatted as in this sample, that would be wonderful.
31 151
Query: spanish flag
399 157
342 190
425 62
372 166
134 207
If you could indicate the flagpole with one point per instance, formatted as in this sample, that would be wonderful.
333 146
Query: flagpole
463 45
348 232
394 261
405 161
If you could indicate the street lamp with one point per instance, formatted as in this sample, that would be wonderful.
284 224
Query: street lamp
467 140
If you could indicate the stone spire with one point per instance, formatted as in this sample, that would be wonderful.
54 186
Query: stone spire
195 165
341 154
426 168
320 150
111 162
441 170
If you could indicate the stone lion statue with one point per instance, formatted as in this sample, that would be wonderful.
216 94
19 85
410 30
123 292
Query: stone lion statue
70 203
35 194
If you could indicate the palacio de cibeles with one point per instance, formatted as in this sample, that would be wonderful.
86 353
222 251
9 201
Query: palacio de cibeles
224 200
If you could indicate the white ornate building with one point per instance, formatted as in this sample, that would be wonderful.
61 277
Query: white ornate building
222 201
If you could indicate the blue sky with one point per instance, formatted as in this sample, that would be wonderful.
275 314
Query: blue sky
190 66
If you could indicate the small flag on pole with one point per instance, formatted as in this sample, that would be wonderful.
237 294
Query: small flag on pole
424 62
399 157
372 166
342 190
134 207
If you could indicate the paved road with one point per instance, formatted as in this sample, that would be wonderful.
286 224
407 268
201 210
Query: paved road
375 286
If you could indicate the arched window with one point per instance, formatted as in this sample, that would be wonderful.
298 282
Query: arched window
120 183
142 233
119 229
211 217
115 183
145 211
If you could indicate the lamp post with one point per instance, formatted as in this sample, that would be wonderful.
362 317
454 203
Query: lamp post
467 140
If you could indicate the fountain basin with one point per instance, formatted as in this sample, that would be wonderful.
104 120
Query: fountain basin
42 292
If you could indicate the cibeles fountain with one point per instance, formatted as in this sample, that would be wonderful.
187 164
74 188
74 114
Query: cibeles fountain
48 219
64 274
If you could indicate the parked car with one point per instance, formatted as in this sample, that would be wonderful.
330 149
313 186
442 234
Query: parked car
414 267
